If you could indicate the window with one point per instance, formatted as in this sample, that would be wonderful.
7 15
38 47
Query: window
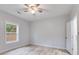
11 32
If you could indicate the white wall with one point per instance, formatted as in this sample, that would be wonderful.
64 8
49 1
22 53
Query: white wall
23 32
50 32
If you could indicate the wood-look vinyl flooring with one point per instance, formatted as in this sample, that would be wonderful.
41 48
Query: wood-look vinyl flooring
36 50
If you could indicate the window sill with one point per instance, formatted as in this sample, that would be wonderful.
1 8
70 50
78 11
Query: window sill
11 42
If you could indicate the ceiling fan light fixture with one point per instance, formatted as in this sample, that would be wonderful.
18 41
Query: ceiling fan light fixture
33 8
30 5
33 12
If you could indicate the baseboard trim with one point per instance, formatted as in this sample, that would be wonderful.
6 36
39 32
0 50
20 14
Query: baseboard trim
68 52
13 49
47 46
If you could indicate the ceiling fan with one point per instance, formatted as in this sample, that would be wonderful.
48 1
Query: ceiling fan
33 8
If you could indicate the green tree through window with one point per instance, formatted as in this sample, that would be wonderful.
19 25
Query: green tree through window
10 28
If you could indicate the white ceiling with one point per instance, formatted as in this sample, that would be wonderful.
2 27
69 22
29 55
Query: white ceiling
52 10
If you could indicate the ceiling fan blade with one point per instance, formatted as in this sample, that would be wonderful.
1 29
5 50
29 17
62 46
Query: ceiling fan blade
31 5
26 5
25 9
18 12
40 11
37 5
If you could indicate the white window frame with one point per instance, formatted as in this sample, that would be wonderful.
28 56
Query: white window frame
17 32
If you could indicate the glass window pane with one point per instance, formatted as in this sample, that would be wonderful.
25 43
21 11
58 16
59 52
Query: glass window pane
11 34
10 28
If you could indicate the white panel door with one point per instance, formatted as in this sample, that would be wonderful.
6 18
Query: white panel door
69 38
74 34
